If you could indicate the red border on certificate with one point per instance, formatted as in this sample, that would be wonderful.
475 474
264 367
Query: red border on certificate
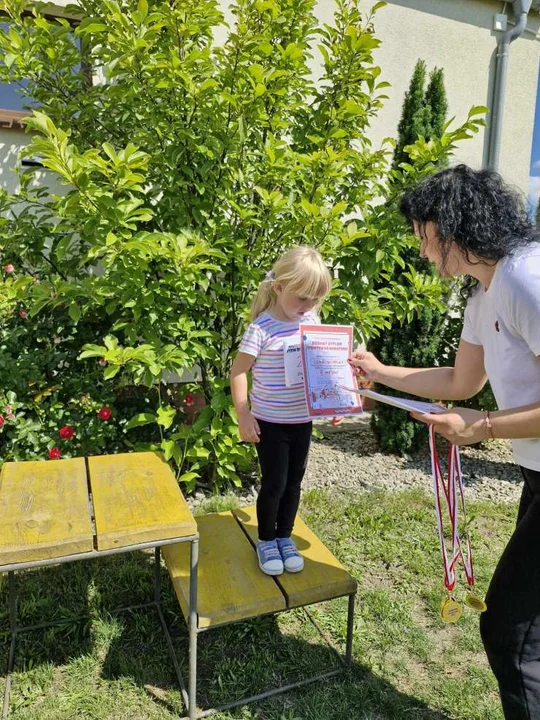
328 397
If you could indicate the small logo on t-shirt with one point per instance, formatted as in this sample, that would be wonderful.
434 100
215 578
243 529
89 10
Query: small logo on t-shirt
497 328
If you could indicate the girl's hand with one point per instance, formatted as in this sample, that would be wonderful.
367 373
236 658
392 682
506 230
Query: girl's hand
460 426
366 367
336 421
248 428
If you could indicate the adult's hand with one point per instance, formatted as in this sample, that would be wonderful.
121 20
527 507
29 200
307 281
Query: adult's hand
366 366
460 426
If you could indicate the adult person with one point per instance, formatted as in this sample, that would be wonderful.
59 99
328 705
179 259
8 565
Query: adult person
470 223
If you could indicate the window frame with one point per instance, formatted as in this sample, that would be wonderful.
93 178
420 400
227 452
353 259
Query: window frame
13 119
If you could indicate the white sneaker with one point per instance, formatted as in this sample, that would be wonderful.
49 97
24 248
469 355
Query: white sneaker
292 560
269 556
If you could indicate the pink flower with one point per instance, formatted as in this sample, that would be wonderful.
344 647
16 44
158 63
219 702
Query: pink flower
189 400
9 268
11 416
105 413
102 362
55 454
23 314
9 409
66 432
2 421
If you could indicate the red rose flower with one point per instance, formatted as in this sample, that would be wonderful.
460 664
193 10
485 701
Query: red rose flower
67 432
189 400
23 314
9 268
55 454
105 413
2 421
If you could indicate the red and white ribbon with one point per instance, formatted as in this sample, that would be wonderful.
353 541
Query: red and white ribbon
446 489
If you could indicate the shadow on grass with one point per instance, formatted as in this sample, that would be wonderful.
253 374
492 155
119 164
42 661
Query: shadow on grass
118 666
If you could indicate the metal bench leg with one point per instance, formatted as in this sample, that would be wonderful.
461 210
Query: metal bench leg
350 630
157 575
13 627
193 566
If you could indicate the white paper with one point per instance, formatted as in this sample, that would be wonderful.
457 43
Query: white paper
403 403
292 356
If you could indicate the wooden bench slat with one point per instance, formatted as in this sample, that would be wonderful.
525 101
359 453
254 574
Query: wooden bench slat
231 586
44 511
136 499
323 576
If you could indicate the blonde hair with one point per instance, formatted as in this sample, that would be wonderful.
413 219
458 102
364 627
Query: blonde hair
302 271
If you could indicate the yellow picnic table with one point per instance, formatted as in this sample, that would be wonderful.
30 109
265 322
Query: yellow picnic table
54 512
59 511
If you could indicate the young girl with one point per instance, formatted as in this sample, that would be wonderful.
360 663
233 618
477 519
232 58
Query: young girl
278 421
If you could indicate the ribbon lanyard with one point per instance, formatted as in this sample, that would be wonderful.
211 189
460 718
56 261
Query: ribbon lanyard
447 490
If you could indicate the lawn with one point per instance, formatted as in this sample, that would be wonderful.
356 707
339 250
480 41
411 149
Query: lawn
406 662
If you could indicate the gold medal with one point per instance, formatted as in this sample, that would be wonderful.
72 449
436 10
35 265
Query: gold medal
475 602
451 610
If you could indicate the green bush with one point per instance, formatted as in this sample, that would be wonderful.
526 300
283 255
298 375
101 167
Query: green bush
418 343
186 170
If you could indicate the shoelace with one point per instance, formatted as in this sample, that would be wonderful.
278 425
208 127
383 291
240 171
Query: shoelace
289 550
269 552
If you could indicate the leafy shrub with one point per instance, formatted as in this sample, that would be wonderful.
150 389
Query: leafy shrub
185 171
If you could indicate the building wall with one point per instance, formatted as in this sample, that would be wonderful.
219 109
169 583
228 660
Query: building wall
456 35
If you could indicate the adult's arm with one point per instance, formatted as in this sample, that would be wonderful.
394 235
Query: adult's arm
460 382
463 426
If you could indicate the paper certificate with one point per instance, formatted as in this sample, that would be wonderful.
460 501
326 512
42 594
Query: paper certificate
292 356
403 403
325 350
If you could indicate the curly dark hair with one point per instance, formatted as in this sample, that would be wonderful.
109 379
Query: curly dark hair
475 209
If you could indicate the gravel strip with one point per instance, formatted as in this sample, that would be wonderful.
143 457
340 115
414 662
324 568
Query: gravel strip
347 458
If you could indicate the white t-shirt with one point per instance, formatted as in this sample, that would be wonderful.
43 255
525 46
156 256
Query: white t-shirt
505 320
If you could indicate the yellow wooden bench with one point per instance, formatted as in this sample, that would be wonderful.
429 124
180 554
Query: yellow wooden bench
77 509
231 587
88 508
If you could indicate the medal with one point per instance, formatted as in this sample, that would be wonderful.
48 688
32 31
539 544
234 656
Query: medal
448 491
475 602
451 610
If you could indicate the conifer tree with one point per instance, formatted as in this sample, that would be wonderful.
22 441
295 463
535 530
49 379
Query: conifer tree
420 342
413 114
435 100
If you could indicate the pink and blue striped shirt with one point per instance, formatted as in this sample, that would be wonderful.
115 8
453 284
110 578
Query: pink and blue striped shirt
271 399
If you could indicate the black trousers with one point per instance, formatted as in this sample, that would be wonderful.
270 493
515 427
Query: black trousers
510 627
283 453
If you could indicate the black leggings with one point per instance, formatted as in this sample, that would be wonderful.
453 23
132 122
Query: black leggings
510 627
283 453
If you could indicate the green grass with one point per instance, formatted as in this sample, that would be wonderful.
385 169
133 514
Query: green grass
407 662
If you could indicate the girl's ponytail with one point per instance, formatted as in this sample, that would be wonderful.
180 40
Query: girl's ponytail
264 297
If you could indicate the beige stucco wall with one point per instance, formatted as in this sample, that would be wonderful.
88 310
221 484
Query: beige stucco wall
456 35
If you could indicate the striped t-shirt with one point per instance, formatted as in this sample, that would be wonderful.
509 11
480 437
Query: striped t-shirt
271 399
